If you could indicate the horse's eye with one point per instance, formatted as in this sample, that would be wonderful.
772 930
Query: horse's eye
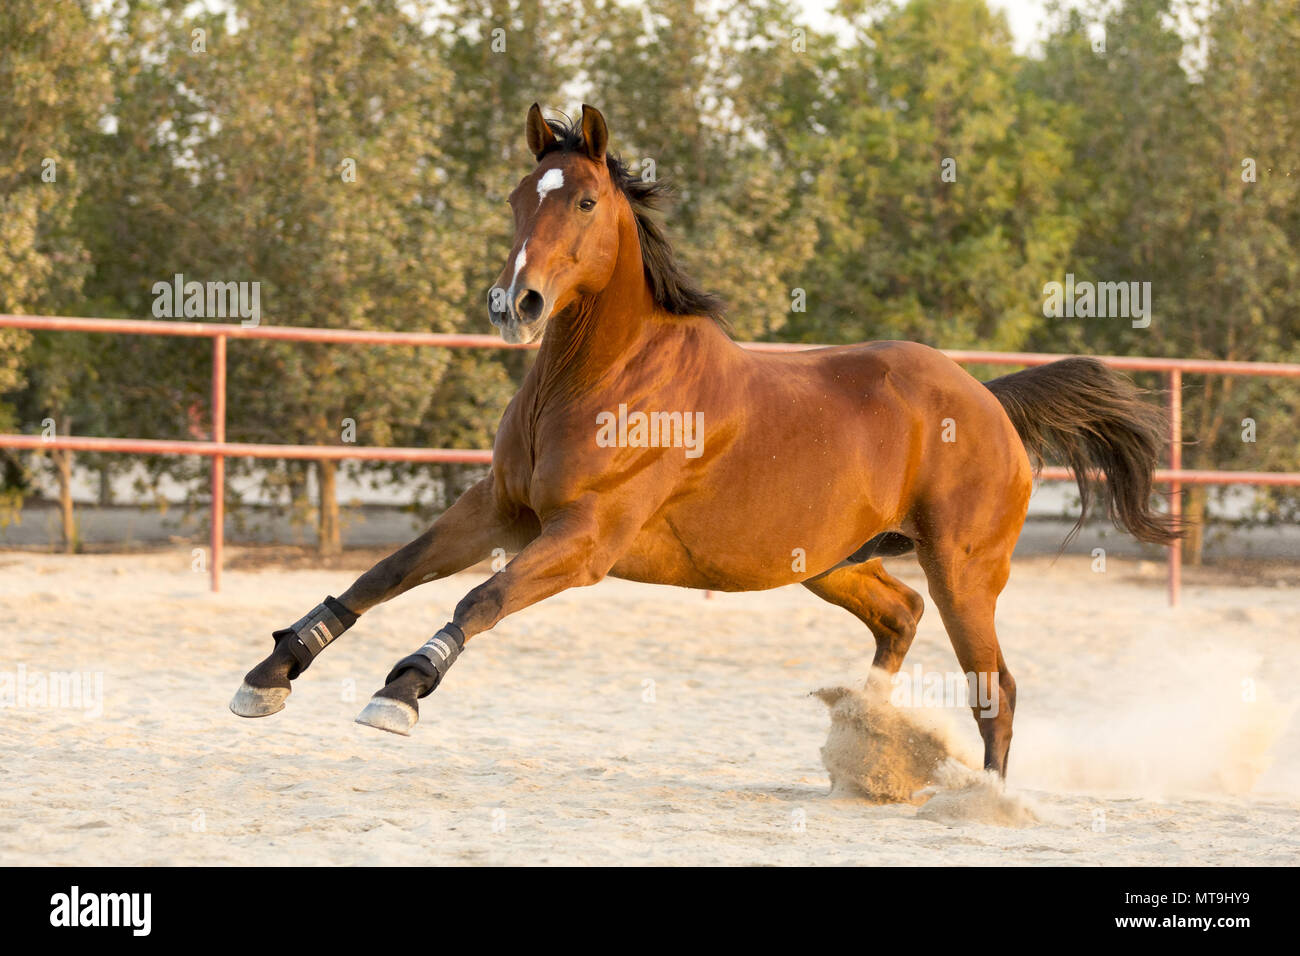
587 205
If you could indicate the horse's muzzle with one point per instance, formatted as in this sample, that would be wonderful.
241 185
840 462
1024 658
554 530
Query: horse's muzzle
522 320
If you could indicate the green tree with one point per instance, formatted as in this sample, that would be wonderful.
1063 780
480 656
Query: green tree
939 178
307 139
1192 187
53 84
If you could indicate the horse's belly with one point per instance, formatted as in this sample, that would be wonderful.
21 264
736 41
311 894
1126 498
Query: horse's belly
725 551
656 560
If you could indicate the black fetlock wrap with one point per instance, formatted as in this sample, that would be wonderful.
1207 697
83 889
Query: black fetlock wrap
435 658
315 632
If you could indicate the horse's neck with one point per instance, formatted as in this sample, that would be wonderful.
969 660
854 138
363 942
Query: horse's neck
599 334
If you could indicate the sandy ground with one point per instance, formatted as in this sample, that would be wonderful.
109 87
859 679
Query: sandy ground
628 724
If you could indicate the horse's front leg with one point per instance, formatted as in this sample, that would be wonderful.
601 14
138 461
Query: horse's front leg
465 534
572 550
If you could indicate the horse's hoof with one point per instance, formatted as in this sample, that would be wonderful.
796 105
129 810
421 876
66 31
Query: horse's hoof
394 716
252 701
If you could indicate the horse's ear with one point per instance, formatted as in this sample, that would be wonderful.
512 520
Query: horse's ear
540 136
595 136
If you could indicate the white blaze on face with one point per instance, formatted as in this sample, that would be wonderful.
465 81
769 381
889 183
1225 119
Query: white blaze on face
551 179
521 260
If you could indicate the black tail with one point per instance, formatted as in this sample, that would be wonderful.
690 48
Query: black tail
1092 418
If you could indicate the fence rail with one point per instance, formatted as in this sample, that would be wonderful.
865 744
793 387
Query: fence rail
218 449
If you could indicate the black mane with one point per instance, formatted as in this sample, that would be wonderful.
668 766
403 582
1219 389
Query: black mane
674 291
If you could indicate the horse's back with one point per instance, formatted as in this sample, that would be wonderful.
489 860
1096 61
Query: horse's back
919 412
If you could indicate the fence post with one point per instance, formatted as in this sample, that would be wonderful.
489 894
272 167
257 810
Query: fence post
1175 486
218 461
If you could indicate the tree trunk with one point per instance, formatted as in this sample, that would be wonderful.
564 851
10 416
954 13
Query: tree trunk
327 525
1194 499
105 487
63 465
300 510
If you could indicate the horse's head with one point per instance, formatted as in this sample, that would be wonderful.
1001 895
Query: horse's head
566 229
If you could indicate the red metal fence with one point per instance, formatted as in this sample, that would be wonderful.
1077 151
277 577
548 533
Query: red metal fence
218 449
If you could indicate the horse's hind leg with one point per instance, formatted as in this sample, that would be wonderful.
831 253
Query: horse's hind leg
464 535
879 600
964 583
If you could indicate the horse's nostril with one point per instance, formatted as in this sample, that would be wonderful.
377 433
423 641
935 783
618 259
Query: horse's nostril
529 305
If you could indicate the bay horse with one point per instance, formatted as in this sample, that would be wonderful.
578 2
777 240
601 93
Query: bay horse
646 444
